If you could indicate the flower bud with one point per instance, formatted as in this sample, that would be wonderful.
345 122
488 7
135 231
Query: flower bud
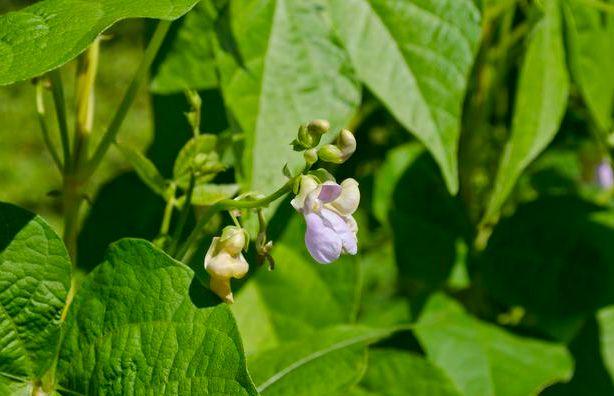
346 143
331 153
311 156
309 135
318 127
224 261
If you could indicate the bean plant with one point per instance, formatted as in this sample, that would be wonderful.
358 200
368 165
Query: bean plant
341 197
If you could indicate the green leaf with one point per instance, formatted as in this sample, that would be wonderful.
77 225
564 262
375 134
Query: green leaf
314 366
49 33
606 323
189 62
591 45
146 170
34 281
416 57
298 298
208 194
140 325
281 67
482 359
198 156
541 99
397 373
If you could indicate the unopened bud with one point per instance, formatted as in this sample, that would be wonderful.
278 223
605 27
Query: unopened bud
224 261
318 127
331 153
232 240
311 156
346 143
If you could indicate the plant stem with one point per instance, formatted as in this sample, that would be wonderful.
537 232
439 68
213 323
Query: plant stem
183 217
168 212
60 109
111 133
42 121
71 204
85 82
228 204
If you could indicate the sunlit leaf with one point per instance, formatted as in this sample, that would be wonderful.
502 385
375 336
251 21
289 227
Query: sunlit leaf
415 56
145 169
541 100
49 33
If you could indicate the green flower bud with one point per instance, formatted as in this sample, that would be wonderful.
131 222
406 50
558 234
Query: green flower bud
311 156
318 127
346 143
331 153
309 135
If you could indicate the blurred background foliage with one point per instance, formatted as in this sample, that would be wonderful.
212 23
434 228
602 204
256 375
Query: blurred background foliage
496 302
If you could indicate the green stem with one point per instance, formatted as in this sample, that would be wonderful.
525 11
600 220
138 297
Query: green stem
111 133
40 113
183 217
60 109
228 204
168 212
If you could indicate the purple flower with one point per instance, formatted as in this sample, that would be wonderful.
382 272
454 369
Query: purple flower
605 175
328 209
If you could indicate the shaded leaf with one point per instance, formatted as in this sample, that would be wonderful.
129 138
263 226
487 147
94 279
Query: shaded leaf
34 281
605 318
198 156
139 324
322 365
541 99
48 34
482 359
416 57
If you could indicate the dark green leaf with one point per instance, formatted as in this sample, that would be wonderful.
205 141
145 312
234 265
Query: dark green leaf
541 100
606 324
49 33
415 56
482 359
34 281
140 325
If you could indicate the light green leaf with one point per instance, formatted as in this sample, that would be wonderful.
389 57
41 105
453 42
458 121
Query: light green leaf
605 317
591 48
281 67
298 298
398 373
140 325
34 281
208 194
416 57
482 359
189 62
49 33
314 366
541 100
146 170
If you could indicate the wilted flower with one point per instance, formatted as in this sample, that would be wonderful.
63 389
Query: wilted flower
224 260
605 175
328 209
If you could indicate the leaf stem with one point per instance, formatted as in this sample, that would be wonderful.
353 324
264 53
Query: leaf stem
183 217
111 133
60 109
42 121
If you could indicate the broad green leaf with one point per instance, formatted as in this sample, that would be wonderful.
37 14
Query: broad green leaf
415 56
318 365
606 325
48 34
541 99
483 359
208 194
296 299
146 170
140 325
34 281
398 373
189 62
591 48
281 67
